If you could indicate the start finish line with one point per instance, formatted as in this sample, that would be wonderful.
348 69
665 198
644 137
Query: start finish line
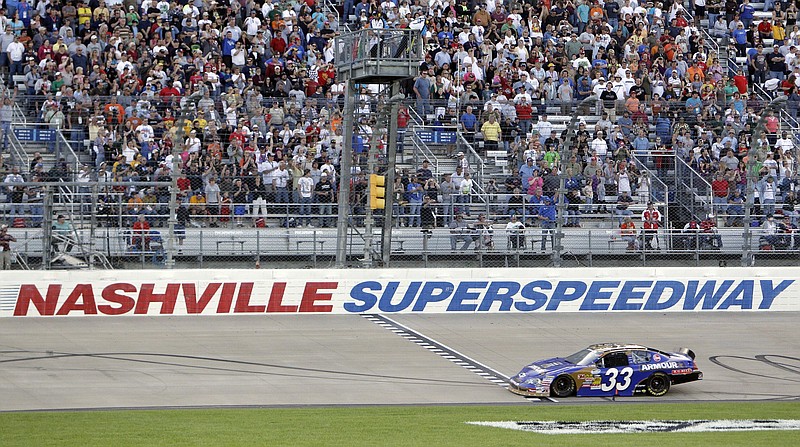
608 427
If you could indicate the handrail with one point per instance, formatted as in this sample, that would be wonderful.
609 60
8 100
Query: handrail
330 7
694 176
16 147
414 116
424 149
654 179
473 154
62 141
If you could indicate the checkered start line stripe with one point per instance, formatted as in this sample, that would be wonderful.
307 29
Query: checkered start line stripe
446 352
594 427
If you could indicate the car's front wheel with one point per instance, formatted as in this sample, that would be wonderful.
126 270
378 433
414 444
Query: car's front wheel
658 385
563 386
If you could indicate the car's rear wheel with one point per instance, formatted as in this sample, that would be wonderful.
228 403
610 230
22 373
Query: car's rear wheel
563 386
658 385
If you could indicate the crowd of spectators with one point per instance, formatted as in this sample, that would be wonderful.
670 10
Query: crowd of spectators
255 83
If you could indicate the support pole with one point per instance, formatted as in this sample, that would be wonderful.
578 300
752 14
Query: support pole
346 157
747 236
372 152
177 166
391 155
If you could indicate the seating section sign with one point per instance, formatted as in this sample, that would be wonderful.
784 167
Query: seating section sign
390 291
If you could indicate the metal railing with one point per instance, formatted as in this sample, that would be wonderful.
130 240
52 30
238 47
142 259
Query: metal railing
377 46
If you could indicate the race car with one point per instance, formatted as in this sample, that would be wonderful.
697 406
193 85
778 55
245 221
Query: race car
607 369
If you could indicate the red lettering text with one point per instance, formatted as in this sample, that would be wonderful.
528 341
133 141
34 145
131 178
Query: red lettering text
243 300
193 306
167 299
276 299
87 304
112 295
311 296
29 294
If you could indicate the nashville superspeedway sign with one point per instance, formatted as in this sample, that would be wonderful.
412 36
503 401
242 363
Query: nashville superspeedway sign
224 292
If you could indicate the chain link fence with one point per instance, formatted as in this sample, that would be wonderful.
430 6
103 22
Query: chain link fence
103 226
113 218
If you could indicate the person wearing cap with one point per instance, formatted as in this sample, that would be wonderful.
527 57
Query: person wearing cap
776 62
325 195
16 51
5 247
422 90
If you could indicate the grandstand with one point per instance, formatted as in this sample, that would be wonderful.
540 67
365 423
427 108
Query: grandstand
108 119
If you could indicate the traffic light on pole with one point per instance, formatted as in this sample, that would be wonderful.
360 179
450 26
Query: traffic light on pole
377 191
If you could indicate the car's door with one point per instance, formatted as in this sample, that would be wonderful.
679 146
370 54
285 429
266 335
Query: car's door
616 374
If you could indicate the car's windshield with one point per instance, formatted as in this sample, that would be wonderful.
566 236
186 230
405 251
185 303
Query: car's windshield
583 357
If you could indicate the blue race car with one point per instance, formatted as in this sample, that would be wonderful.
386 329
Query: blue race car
607 369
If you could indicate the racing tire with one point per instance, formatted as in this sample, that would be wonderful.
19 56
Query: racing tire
658 384
562 386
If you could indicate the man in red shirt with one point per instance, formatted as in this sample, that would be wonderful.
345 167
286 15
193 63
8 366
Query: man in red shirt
719 187
651 219
141 234
524 115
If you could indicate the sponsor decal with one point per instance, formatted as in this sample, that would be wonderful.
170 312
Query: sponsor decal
656 357
593 427
681 371
662 365
406 291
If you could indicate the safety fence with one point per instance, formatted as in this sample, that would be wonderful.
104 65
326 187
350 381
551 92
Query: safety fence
77 227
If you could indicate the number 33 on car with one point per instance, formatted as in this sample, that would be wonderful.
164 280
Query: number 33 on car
608 369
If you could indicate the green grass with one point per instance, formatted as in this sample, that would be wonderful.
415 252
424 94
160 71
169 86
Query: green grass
378 426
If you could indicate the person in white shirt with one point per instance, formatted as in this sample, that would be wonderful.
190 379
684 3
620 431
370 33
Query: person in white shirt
15 51
784 143
267 170
599 147
305 186
280 182
193 143
544 127
251 25
516 233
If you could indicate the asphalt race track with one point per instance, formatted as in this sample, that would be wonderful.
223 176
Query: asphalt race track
133 362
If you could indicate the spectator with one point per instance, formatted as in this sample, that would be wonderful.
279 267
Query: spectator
627 230
62 234
546 216
325 196
516 233
651 221
492 133
5 247
140 239
414 194
623 202
460 232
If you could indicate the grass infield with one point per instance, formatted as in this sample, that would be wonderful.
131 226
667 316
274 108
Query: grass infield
379 426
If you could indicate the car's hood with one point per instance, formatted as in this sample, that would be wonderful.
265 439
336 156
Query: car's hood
541 368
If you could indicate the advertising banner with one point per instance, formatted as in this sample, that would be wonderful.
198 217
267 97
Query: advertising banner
389 291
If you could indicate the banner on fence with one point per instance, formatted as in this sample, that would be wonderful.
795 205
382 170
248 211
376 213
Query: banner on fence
207 292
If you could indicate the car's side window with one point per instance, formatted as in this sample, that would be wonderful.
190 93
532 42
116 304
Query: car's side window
640 357
615 359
